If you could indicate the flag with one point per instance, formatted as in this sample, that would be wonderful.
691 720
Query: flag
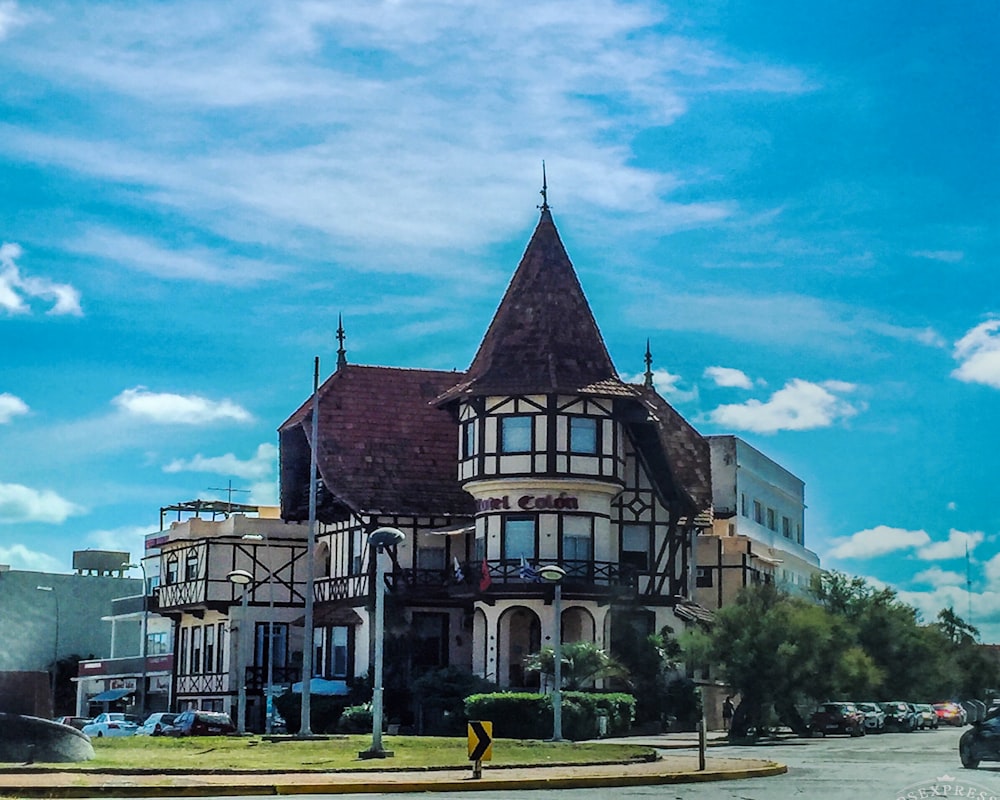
485 580
459 575
528 573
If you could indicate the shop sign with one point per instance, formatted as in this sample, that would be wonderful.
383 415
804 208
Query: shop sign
528 502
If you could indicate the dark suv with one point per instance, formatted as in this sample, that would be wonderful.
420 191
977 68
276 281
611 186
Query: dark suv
200 723
837 718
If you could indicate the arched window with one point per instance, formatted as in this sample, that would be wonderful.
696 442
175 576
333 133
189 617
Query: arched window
191 565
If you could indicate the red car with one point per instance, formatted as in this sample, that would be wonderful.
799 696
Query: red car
837 718
950 713
200 723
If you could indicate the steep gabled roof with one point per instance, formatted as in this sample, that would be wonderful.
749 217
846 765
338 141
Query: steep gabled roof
543 337
383 447
679 456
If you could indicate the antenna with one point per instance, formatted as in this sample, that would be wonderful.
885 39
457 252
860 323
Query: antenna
968 581
229 495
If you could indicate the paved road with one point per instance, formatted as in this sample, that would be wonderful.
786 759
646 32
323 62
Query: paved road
869 768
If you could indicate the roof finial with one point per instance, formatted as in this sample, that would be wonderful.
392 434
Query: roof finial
545 190
341 352
648 382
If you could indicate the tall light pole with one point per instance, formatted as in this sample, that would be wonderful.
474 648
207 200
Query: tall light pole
379 540
555 574
55 645
143 633
268 712
309 646
241 578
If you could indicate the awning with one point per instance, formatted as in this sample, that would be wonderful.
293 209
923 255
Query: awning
110 695
321 686
453 530
331 615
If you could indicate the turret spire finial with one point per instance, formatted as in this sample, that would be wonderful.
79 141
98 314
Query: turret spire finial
545 190
341 352
648 382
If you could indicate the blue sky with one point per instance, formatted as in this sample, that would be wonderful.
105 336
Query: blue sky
796 203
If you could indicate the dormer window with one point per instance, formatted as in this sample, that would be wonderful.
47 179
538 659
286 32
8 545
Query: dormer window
515 434
583 435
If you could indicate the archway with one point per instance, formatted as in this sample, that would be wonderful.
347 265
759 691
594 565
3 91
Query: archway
520 633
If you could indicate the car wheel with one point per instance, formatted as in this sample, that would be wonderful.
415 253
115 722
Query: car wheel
969 761
100 734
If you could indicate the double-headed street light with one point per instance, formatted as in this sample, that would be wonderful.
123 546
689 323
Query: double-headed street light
143 633
269 713
241 578
555 574
379 540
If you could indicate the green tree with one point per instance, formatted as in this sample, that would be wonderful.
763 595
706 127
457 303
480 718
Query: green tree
582 664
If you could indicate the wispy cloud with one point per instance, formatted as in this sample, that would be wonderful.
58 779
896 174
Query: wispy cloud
11 406
128 538
17 290
175 409
978 354
878 541
10 17
23 504
669 385
799 405
935 576
261 465
729 377
18 556
947 256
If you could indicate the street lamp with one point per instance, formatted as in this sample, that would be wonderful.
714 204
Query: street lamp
241 578
379 540
555 574
143 632
268 713
55 644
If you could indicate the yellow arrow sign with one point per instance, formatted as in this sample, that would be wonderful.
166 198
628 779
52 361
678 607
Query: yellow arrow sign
480 741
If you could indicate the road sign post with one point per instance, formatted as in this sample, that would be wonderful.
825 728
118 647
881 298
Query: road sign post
480 745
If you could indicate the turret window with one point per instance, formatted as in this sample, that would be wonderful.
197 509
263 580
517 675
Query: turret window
515 434
583 435
468 439
577 541
519 537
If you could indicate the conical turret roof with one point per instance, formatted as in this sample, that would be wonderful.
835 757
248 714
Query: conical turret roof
543 337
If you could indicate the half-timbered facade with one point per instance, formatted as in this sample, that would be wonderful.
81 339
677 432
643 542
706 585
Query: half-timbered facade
538 454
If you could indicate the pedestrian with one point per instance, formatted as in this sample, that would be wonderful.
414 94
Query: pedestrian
727 712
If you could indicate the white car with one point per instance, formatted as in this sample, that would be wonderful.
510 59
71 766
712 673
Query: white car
110 723
155 723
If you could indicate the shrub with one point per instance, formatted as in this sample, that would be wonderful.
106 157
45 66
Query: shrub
440 699
524 715
356 719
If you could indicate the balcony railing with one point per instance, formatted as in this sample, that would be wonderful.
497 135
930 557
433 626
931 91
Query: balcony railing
600 576
256 677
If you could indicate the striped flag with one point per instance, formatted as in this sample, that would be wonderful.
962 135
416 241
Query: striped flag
528 573
459 575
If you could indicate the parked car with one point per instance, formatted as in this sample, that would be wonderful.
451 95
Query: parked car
980 743
200 723
73 722
951 713
155 723
837 718
928 717
110 723
900 716
874 716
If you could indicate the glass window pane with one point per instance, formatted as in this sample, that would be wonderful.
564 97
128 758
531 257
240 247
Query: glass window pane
519 537
583 435
515 434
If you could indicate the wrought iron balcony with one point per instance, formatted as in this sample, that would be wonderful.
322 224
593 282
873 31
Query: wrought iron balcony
256 677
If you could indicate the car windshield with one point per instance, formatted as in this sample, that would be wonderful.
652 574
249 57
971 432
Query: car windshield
215 719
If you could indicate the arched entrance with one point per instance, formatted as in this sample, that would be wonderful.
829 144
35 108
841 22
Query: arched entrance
520 633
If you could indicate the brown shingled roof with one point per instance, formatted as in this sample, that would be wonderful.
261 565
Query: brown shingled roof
543 337
384 447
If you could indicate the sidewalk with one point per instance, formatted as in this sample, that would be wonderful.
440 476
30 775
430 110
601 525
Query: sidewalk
672 767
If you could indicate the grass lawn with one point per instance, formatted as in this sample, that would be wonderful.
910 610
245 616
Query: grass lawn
161 754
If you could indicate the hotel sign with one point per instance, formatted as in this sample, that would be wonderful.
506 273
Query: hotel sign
528 502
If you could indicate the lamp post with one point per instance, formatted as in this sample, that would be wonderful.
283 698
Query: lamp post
379 539
268 713
55 645
241 578
555 574
142 633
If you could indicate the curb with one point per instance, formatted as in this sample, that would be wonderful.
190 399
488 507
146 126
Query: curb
407 786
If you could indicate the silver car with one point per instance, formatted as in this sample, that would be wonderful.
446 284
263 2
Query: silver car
155 723
110 723
874 717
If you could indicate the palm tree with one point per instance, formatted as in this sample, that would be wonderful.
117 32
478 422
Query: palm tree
583 663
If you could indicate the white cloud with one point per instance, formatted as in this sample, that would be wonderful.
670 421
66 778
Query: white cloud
729 377
10 407
947 256
10 18
17 289
18 556
176 409
667 385
935 576
23 504
956 546
264 493
261 465
129 538
800 405
878 541
991 570
978 354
